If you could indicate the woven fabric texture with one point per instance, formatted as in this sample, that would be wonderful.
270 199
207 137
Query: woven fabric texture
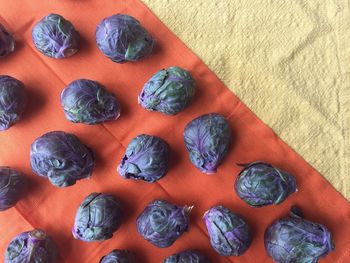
287 60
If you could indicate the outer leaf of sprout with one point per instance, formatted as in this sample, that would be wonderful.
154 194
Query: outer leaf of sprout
61 157
294 239
119 256
97 218
121 38
7 43
55 37
260 184
168 91
229 233
161 223
87 101
32 246
187 256
146 158
11 187
13 101
207 139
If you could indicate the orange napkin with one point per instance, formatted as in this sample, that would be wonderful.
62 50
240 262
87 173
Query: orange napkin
53 209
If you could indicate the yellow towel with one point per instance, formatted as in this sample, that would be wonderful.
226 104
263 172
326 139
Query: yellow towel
286 60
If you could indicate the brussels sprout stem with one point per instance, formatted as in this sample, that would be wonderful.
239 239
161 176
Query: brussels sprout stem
188 209
35 237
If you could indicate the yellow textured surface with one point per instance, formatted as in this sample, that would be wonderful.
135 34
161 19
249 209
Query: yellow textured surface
287 60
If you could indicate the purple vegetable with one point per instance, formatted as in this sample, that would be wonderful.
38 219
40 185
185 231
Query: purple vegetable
87 101
161 222
97 218
294 239
61 157
31 247
146 158
260 184
7 43
187 256
169 91
55 37
121 38
13 101
207 139
229 233
119 256
11 186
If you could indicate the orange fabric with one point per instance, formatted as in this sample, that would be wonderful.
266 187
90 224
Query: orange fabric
53 209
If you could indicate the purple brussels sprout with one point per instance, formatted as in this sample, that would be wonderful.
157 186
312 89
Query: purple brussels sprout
260 184
61 157
146 158
55 37
13 101
11 186
122 38
229 233
7 43
87 101
207 139
161 222
169 91
97 218
187 256
294 239
119 256
31 247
